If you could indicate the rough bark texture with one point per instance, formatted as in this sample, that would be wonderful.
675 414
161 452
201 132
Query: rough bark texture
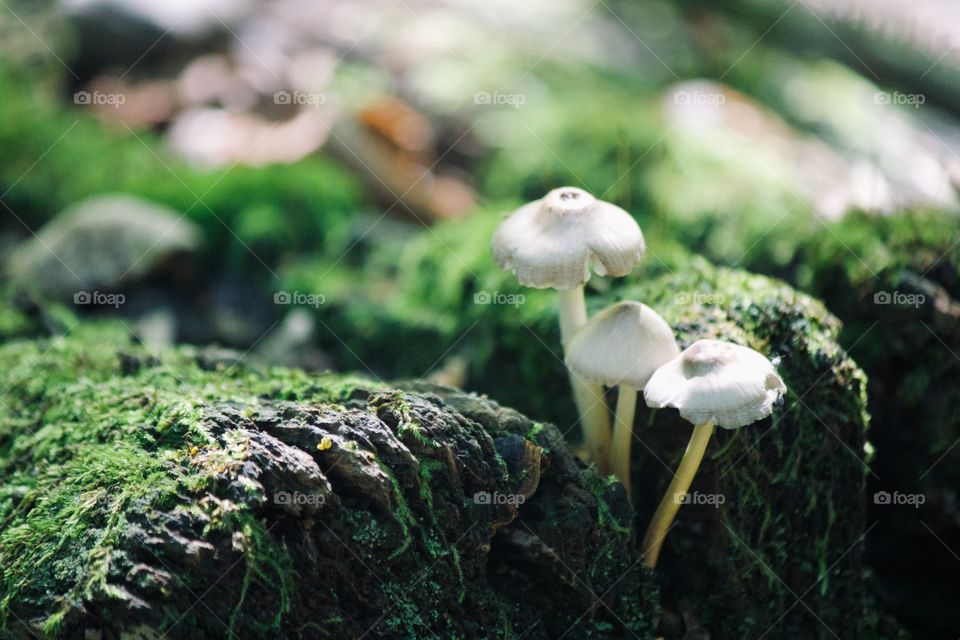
187 494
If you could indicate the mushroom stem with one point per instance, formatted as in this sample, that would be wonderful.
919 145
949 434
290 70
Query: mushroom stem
588 396
670 504
573 312
623 434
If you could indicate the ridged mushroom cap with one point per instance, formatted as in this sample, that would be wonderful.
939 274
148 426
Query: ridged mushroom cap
730 384
554 242
623 344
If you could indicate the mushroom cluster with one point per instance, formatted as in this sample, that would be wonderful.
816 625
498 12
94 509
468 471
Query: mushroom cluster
554 243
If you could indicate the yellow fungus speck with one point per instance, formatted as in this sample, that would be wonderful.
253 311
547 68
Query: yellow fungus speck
325 444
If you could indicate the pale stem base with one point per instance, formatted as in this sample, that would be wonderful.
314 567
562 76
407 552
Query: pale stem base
588 396
676 492
623 435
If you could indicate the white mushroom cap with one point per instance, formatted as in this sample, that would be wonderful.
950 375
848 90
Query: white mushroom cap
732 385
554 241
623 344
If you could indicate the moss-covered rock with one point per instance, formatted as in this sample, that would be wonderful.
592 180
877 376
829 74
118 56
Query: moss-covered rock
186 494
103 242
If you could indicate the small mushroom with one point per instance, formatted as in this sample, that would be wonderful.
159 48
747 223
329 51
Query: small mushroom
711 383
622 346
553 243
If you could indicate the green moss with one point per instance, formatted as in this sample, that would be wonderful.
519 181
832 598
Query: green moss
407 426
405 618
537 428
366 532
14 323
601 489
401 513
268 563
65 536
427 470
104 445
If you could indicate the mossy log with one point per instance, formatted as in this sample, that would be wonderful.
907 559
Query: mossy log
187 495
139 484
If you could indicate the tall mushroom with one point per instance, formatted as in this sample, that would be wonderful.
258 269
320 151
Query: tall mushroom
711 382
553 243
622 346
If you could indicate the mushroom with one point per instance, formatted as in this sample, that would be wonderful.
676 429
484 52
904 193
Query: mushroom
553 243
711 383
622 346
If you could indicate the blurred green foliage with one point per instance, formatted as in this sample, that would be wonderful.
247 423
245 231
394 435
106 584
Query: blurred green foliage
56 156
